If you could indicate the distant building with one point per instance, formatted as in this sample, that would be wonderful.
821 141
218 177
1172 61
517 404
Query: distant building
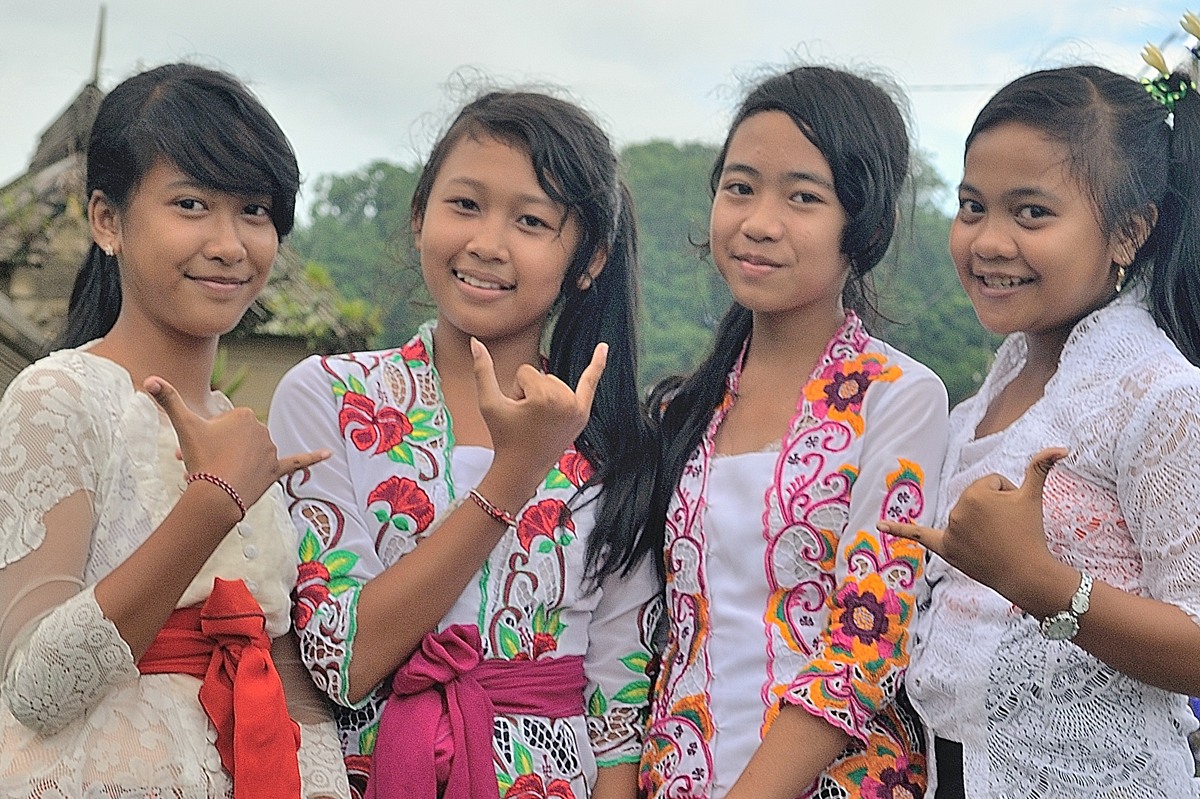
44 235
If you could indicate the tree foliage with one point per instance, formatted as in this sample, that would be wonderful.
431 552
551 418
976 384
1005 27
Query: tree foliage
360 233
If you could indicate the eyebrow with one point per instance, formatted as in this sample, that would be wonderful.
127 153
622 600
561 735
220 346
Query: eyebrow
808 177
539 199
1017 193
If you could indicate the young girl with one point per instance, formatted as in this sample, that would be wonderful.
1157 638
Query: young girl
459 533
1063 636
780 453
142 578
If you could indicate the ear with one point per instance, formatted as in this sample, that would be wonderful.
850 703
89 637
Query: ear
594 268
415 224
1123 248
105 222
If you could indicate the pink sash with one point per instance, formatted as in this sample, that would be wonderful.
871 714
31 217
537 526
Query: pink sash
435 735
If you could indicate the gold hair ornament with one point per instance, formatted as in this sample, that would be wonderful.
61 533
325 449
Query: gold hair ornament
1161 87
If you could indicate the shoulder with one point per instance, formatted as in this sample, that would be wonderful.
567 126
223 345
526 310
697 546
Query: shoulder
72 373
904 375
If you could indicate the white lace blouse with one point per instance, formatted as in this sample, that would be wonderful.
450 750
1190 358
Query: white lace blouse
1040 718
76 717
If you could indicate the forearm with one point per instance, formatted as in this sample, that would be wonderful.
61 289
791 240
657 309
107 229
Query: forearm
793 753
1121 629
398 607
141 592
616 782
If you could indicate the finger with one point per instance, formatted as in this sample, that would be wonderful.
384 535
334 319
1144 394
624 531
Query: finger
929 537
585 392
486 383
294 463
1039 468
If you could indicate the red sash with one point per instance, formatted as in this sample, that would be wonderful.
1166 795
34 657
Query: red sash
224 643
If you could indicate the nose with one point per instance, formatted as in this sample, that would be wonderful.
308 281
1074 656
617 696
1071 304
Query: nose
991 239
224 242
488 241
763 221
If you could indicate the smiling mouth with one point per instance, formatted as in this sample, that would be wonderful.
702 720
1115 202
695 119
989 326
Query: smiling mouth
220 281
482 284
756 260
1003 281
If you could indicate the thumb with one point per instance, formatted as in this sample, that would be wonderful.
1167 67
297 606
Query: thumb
169 400
1039 468
485 374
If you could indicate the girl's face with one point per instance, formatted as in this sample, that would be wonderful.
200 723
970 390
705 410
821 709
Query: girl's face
1026 241
494 247
192 258
776 224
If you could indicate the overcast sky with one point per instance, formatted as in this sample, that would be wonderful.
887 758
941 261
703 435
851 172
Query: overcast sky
359 80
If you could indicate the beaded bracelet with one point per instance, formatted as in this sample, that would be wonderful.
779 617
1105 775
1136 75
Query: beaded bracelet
499 514
221 484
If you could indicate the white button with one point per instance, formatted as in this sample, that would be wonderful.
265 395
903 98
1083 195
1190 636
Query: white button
250 551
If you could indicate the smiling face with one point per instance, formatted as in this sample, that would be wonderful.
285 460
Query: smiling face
1027 242
192 258
776 225
494 247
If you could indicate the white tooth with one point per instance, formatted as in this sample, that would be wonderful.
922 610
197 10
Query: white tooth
479 284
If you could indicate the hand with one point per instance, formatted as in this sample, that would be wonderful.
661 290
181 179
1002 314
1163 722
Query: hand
234 446
541 416
994 533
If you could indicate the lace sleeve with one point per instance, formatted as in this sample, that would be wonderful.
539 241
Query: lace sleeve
60 653
1158 486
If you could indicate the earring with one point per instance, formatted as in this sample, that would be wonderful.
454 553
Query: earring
585 282
1120 277
108 250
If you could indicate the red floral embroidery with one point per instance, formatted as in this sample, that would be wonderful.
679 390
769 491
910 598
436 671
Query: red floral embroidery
415 351
382 429
865 627
404 496
542 520
530 786
314 577
893 783
575 468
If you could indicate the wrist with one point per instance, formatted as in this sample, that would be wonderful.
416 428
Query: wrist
223 501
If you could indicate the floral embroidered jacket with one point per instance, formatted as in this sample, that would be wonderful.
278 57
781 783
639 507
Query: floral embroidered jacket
394 472
832 597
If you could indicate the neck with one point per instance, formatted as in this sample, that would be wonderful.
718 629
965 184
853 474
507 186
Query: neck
452 354
185 363
792 345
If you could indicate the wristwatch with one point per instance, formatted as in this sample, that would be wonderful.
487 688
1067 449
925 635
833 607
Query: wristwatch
1063 626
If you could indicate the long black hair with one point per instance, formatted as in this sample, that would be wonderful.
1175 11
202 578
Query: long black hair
207 124
860 130
1141 170
577 168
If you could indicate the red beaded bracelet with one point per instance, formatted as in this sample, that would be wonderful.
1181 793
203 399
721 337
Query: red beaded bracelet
499 514
221 484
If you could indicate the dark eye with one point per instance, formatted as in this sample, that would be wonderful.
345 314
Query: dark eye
529 220
968 207
257 209
464 204
806 197
739 189
190 204
1033 212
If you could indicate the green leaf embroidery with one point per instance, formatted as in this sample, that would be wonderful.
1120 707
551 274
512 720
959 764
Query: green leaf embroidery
310 547
400 523
340 562
635 693
522 758
381 514
401 453
358 387
636 662
597 704
340 585
547 545
557 479
510 642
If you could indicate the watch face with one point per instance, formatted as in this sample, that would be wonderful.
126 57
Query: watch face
1060 627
